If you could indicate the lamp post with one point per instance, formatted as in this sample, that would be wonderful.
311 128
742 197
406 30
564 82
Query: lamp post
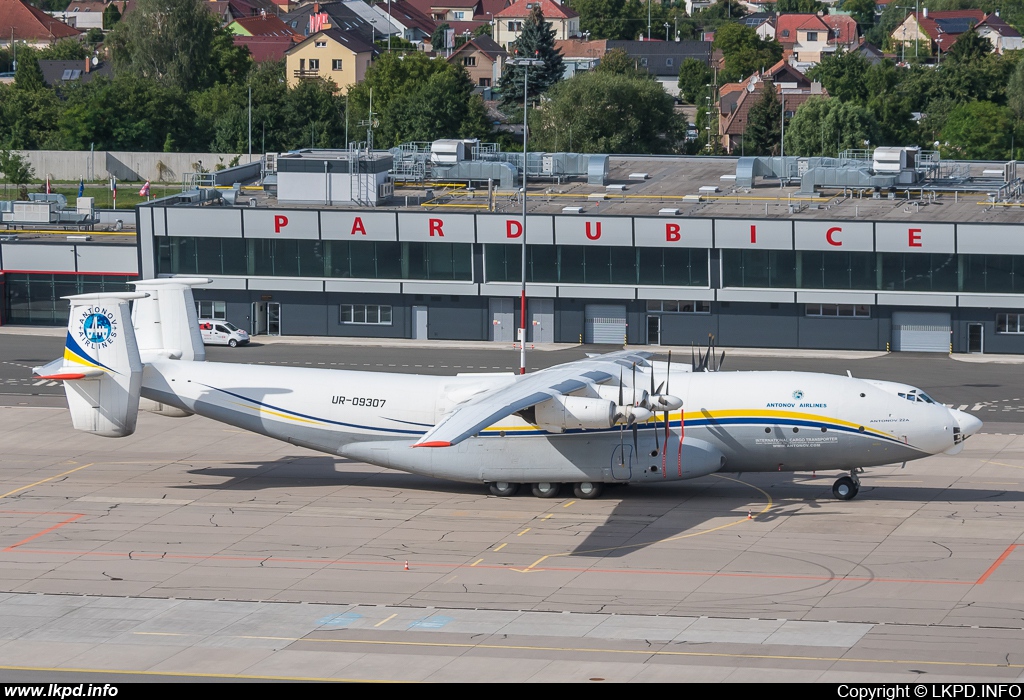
667 25
525 63
391 27
648 20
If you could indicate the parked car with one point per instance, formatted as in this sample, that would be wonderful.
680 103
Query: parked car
222 333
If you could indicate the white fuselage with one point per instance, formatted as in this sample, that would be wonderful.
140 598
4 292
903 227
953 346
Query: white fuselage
732 421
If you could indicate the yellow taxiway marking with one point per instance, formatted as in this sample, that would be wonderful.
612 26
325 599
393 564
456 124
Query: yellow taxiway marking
1001 464
547 516
500 546
186 674
476 562
568 504
524 532
43 481
394 615
533 567
162 634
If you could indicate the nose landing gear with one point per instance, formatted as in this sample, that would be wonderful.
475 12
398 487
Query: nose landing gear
846 487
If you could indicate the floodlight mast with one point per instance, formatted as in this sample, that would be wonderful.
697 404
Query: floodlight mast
525 63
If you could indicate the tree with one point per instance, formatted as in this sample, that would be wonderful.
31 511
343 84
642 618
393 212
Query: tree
28 76
827 127
64 50
15 168
694 77
111 16
605 113
439 39
1015 91
862 11
745 52
178 43
978 131
761 137
537 40
842 74
619 62
799 6
969 47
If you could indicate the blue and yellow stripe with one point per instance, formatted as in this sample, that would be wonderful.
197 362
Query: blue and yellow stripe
74 354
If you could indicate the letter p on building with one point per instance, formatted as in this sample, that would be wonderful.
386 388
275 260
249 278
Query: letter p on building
280 222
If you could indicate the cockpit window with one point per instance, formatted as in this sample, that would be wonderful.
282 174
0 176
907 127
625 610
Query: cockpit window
916 395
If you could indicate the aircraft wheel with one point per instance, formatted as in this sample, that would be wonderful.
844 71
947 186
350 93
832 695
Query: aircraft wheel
845 488
588 489
546 490
233 343
503 489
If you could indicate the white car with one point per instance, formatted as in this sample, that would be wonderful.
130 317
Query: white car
222 333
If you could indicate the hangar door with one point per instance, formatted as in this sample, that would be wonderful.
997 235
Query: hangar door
605 323
503 319
917 331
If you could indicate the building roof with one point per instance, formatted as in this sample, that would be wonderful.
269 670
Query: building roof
264 25
407 14
31 24
350 40
87 6
997 24
786 26
844 29
756 19
340 17
948 22
485 45
550 9
578 48
265 48
55 72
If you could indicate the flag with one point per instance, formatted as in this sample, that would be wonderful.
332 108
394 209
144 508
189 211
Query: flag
144 192
48 185
81 188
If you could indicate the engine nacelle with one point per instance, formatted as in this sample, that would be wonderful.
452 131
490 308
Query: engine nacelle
562 413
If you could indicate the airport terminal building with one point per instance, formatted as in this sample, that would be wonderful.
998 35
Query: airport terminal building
659 251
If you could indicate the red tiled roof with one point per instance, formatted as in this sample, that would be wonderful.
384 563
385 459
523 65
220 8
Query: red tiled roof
999 25
577 48
786 26
844 29
548 8
31 24
87 6
265 48
931 28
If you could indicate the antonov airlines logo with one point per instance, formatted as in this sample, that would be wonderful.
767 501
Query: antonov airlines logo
97 327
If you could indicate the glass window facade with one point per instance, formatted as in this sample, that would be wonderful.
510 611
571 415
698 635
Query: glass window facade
900 272
279 257
577 264
35 299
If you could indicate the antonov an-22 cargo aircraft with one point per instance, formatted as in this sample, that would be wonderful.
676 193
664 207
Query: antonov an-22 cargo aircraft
609 419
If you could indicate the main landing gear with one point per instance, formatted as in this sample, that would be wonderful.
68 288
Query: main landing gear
846 487
585 490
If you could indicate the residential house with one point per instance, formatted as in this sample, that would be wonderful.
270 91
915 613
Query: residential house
663 58
330 54
693 6
1002 36
508 23
807 38
935 30
482 58
736 99
761 22
411 23
869 52
461 15
25 24
56 73
380 21
580 55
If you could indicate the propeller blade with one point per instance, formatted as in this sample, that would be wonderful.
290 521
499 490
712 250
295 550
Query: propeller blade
636 448
650 396
668 377
721 360
620 386
634 384
668 371
622 449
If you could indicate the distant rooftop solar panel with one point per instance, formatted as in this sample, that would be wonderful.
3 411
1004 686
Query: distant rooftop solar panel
955 25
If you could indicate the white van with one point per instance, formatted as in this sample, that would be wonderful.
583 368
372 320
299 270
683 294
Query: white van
222 333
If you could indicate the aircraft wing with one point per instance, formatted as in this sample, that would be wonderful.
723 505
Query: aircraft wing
488 408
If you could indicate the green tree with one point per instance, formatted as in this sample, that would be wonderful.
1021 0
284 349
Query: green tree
605 113
843 75
619 62
799 6
694 77
761 137
827 126
862 11
978 131
605 19
1015 91
27 118
745 52
178 43
536 41
28 76
111 16
969 47
439 39
15 168
64 50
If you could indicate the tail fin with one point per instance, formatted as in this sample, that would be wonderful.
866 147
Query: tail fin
101 368
165 321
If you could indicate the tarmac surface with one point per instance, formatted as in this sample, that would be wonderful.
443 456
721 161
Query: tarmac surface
195 551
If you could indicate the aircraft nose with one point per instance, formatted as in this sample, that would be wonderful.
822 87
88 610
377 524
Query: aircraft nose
969 425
